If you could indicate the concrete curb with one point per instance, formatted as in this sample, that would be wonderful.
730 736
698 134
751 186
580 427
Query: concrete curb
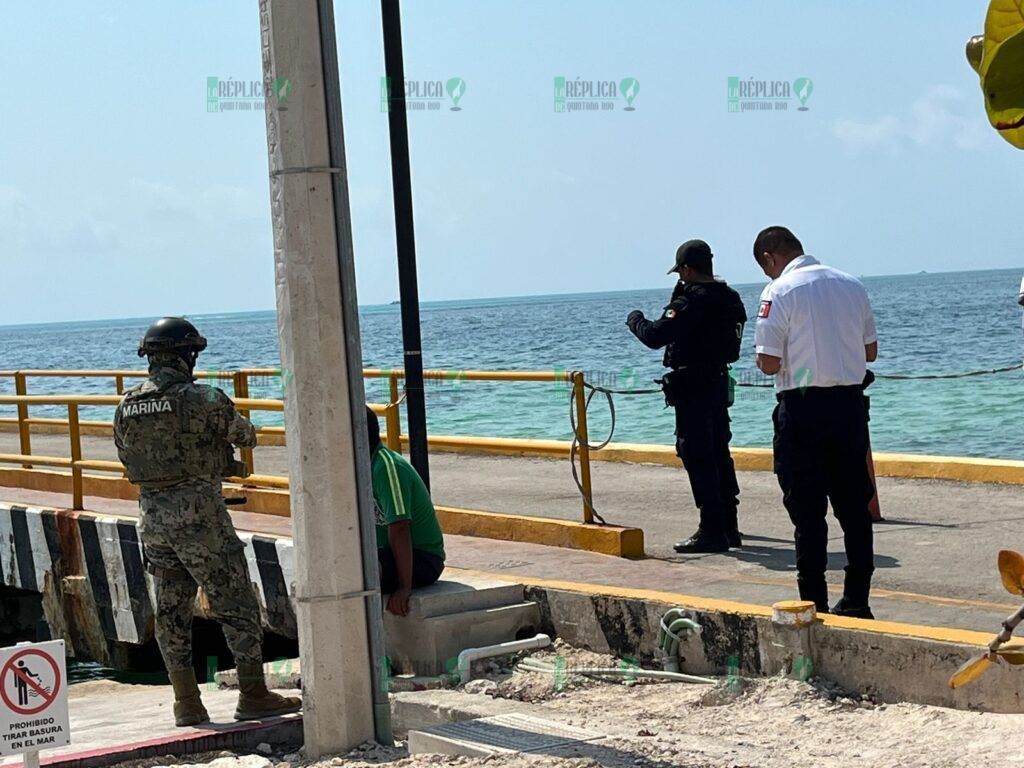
239 737
602 539
905 465
266 501
421 709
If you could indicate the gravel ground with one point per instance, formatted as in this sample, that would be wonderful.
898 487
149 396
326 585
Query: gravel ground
767 723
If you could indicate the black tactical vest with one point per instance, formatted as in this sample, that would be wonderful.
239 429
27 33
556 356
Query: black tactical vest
171 434
712 337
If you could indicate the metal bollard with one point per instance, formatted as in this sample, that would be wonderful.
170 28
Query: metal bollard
584 448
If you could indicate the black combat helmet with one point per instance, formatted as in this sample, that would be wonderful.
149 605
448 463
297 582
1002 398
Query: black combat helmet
173 334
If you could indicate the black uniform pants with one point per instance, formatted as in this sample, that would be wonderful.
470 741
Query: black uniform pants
702 442
821 447
426 569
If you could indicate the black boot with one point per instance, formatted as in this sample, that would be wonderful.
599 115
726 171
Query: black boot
702 542
814 591
847 608
732 527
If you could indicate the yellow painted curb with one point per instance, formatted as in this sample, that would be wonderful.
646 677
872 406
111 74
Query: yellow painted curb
919 467
964 469
266 501
602 539
941 634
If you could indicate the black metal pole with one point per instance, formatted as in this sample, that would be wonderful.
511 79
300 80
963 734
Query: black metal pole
405 239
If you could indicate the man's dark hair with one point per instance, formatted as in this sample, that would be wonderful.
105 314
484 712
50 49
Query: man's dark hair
702 266
777 240
372 428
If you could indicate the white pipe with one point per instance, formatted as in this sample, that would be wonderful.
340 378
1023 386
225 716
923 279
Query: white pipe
468 656
535 665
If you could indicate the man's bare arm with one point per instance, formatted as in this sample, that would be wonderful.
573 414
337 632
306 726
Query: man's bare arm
769 364
871 351
400 542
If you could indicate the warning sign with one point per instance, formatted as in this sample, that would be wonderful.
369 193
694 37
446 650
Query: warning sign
33 698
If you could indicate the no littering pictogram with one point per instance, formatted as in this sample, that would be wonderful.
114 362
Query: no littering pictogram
29 682
33 699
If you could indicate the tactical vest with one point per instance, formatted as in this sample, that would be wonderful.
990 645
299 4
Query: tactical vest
170 435
714 339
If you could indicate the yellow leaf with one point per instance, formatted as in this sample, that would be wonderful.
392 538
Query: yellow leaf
1002 69
1014 656
970 671
1011 571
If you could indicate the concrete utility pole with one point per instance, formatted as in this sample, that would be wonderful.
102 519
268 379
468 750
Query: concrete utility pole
337 584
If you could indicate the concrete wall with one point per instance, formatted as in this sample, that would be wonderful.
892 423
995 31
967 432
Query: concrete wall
888 661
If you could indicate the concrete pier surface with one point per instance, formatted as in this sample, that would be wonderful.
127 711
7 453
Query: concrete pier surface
935 552
114 722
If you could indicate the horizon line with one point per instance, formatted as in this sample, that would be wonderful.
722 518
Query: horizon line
430 302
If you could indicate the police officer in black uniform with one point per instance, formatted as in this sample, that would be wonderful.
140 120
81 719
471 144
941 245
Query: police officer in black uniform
701 329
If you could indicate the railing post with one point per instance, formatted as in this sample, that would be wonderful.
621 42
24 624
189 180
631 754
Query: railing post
393 415
579 392
393 423
240 381
76 456
119 384
393 387
24 433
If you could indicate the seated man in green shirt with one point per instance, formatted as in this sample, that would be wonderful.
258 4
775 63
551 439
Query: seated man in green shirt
410 548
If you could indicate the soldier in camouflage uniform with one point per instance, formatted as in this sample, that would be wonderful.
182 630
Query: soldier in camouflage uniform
175 439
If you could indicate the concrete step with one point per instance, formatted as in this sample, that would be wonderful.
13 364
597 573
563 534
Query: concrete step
499 735
431 646
458 594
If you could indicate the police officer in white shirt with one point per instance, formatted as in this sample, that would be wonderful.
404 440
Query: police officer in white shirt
815 333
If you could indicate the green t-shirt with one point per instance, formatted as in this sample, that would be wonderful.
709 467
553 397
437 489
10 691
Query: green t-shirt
399 494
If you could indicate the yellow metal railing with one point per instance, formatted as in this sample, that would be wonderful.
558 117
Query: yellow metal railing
77 464
240 380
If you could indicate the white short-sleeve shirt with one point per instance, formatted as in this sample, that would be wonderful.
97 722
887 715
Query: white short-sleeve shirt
818 321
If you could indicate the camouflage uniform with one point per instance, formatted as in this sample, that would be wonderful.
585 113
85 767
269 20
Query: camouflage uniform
175 439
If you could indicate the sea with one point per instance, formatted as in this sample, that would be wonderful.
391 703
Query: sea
928 324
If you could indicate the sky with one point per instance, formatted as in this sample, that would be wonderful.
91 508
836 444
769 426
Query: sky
121 195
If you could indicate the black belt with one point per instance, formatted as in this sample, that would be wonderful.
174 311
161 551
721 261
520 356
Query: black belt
698 368
845 389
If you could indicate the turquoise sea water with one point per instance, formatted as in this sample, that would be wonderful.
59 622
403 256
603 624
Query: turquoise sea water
928 323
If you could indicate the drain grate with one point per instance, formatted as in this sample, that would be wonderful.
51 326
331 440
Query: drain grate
499 734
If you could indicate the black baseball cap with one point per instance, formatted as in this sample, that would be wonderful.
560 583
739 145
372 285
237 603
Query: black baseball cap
692 252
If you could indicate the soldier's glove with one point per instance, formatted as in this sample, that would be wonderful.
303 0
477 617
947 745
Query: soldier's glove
634 317
238 469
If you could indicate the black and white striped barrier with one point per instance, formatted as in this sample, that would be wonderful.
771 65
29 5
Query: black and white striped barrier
42 549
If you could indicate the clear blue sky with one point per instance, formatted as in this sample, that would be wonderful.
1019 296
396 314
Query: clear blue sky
120 196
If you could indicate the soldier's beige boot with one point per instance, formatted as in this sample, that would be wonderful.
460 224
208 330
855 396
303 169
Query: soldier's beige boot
188 706
255 701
